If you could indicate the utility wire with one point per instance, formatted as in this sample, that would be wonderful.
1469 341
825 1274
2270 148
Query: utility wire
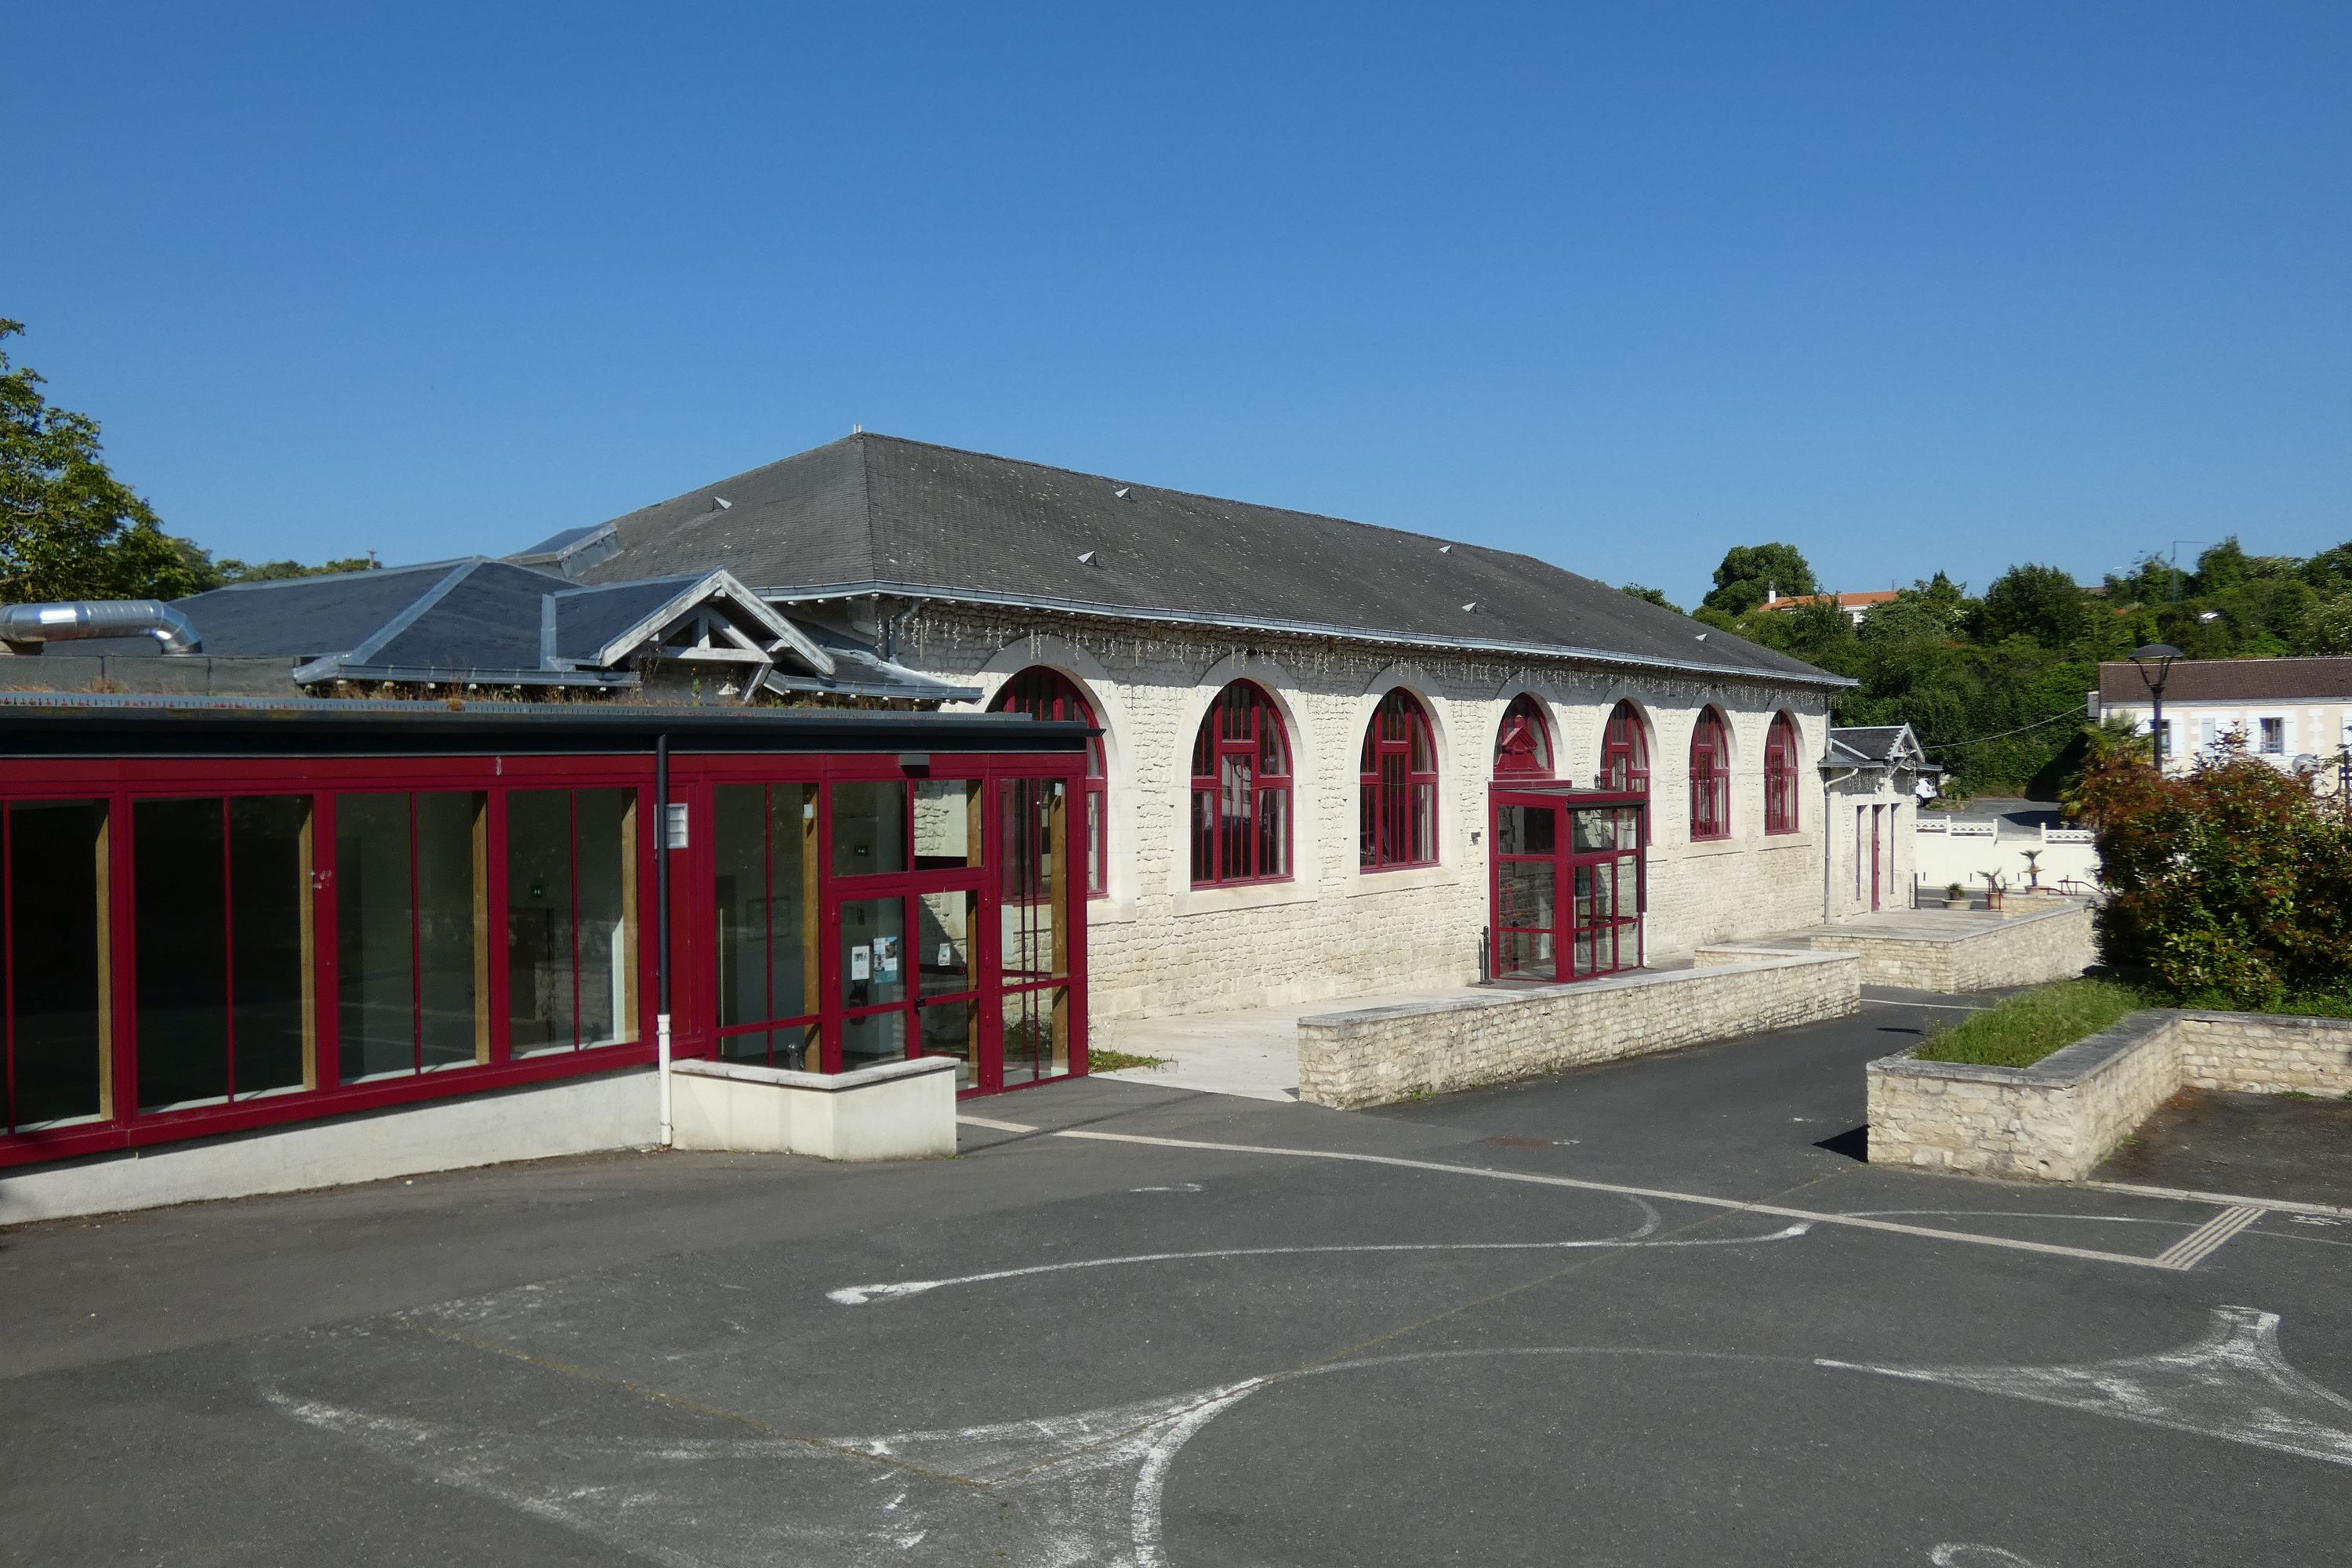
2075 712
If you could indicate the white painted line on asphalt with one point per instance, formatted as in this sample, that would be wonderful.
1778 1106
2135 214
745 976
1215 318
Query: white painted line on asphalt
1856 1221
2227 1200
994 1126
2207 1239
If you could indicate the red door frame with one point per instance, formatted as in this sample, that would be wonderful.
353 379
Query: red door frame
119 783
1562 800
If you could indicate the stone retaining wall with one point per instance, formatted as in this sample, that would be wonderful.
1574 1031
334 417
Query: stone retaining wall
2026 950
1381 1055
2058 1118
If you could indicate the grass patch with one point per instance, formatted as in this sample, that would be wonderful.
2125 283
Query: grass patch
2019 1030
1121 1061
2294 1004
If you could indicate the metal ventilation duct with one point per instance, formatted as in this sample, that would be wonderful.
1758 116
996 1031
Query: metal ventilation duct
84 618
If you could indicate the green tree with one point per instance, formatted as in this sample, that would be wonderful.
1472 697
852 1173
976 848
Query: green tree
69 528
1651 596
1749 569
2042 603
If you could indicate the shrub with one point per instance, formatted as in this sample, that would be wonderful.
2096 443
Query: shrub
2019 1030
2234 879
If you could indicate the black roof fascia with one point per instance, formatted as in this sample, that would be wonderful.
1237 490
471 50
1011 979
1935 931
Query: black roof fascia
90 727
1301 628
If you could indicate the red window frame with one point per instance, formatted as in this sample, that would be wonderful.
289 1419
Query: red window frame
1397 779
1710 778
1241 818
1043 693
1780 775
1625 753
1523 747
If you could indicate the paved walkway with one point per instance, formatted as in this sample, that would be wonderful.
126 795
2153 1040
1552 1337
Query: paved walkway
1252 1053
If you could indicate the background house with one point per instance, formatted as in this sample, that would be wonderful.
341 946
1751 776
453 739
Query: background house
2293 712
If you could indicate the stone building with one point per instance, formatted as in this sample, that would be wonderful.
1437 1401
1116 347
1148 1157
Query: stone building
1335 759
2293 713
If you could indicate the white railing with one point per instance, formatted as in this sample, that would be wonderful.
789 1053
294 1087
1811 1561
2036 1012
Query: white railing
1974 830
1929 824
2065 834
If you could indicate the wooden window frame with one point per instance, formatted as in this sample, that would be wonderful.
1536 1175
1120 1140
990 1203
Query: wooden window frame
1781 814
1043 693
1710 778
1523 748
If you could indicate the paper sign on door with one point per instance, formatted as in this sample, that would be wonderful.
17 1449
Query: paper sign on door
947 956
886 956
861 962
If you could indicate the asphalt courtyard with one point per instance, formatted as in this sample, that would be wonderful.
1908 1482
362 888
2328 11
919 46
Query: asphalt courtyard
1649 1314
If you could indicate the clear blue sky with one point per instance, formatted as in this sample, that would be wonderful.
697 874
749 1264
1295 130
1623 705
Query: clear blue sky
1909 286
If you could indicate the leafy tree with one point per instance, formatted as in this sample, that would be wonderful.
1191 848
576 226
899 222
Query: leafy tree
2330 571
69 528
235 571
2235 880
1651 596
1748 570
2326 628
2042 603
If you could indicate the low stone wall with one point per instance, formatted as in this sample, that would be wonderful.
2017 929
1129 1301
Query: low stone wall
2058 1118
1381 1055
2024 949
2263 1054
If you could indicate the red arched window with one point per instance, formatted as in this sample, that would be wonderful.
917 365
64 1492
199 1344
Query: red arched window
1710 778
1781 776
1625 753
1397 816
1044 693
1523 745
1241 790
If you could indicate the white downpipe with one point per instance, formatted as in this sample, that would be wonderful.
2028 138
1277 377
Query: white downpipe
661 1068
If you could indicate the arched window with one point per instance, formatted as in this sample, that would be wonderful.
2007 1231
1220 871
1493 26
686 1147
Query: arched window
1523 745
1710 778
1781 776
1044 693
1625 753
1397 815
1241 790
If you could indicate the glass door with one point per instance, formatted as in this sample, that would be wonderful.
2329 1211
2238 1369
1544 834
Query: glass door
1567 892
902 908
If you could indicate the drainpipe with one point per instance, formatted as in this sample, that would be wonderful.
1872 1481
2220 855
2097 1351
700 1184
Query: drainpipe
661 934
1829 827
81 618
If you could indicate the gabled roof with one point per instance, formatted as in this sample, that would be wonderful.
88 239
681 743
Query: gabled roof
2235 681
873 514
1878 746
494 623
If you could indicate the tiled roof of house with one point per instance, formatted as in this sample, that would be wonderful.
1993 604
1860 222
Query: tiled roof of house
1869 599
877 514
2234 680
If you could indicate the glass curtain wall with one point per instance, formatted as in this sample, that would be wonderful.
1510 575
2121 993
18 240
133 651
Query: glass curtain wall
54 1059
224 958
765 860
410 895
571 869
1033 953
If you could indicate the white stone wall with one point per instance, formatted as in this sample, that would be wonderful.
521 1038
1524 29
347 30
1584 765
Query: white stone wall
1158 946
2025 949
2262 1053
1851 801
1379 1056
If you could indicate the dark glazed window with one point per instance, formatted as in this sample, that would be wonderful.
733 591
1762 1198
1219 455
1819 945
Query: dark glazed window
1781 776
411 962
1241 790
1523 743
1397 798
1710 778
570 912
53 1061
765 854
1044 693
222 947
1625 753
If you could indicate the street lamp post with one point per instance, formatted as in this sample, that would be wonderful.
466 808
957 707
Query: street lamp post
2154 662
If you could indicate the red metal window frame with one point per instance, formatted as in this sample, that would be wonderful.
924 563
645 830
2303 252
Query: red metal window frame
1397 779
1568 861
1241 779
1043 693
1625 753
1523 747
1780 775
1710 778
120 783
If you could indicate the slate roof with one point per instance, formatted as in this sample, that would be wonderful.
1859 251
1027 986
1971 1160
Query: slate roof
2280 680
500 624
1879 746
878 514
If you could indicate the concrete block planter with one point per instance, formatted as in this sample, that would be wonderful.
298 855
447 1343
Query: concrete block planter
2058 1118
897 1110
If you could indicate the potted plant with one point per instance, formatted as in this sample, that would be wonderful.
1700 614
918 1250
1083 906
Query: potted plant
1956 897
1994 889
2032 870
